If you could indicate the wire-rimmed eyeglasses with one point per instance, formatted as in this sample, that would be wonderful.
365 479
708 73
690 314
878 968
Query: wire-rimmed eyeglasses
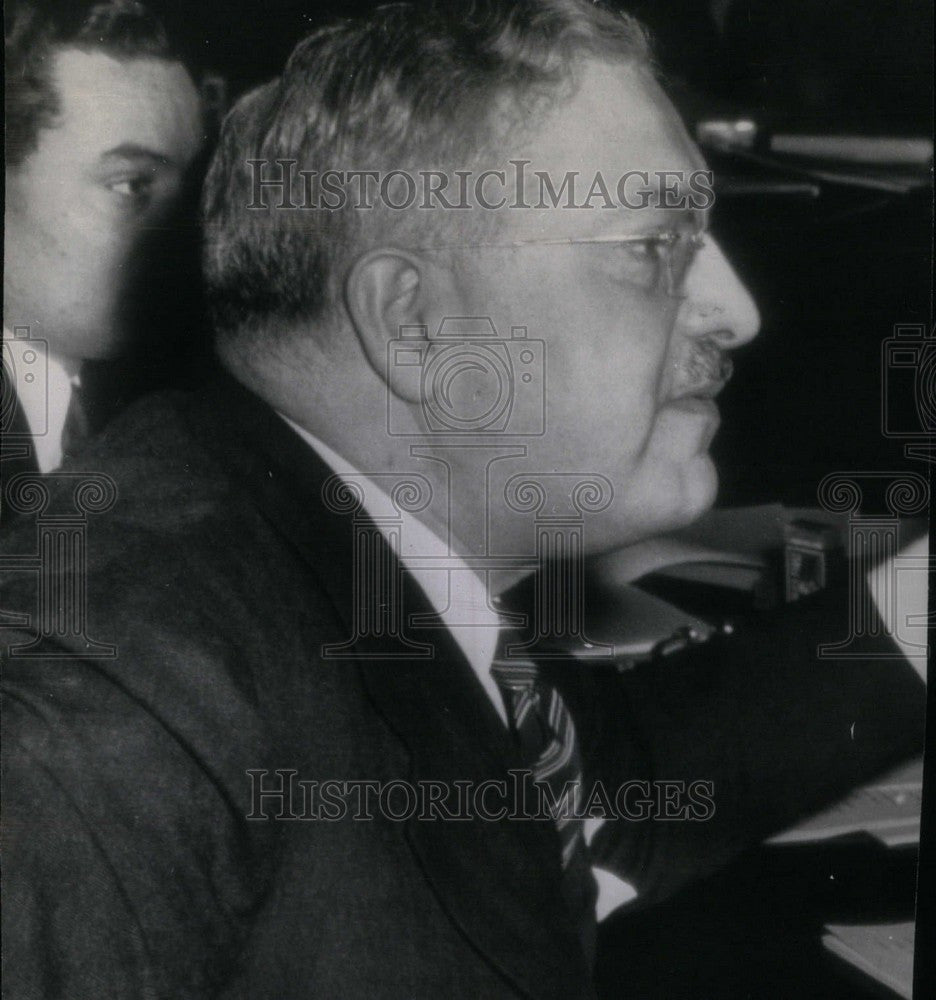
655 262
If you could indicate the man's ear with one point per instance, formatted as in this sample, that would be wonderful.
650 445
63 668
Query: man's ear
385 294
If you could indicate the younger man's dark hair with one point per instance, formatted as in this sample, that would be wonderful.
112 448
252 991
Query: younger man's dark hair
35 30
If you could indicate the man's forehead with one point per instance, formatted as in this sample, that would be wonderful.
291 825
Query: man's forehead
617 132
617 118
107 103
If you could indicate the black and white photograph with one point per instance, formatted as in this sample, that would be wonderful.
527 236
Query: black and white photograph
465 485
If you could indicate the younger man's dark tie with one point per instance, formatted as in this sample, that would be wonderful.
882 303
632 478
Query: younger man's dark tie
77 427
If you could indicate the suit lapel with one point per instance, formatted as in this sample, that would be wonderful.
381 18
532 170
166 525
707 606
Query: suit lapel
497 879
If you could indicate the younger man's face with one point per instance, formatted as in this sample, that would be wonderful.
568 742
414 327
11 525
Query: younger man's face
83 206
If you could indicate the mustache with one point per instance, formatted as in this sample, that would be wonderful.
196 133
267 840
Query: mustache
705 367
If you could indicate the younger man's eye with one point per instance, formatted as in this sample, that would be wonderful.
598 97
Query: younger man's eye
131 188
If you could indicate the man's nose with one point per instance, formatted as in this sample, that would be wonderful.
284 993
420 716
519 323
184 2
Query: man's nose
715 302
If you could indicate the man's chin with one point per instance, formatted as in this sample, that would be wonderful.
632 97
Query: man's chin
684 481
669 503
701 488
682 497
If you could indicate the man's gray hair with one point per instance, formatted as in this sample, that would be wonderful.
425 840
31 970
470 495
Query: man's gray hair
411 86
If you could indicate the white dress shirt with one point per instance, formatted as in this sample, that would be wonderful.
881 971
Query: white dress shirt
44 390
459 595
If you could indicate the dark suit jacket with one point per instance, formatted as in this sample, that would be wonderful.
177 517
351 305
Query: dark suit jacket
131 870
17 453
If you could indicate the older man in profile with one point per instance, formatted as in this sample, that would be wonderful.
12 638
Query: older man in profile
304 575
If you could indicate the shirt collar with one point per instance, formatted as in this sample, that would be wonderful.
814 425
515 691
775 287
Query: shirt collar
457 594
44 389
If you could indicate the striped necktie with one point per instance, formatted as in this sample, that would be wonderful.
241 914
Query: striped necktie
549 746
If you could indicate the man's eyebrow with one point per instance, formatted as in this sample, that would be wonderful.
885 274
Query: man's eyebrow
133 151
638 220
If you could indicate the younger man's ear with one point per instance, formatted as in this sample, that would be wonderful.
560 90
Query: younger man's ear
384 293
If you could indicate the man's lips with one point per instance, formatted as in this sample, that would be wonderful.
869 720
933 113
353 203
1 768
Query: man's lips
703 405
705 390
708 391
